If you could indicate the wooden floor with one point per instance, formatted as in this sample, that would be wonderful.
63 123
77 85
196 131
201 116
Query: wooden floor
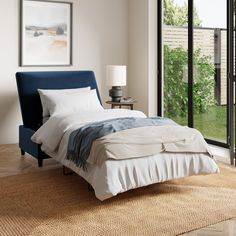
11 163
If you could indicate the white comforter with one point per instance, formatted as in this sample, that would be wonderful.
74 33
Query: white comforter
116 176
51 133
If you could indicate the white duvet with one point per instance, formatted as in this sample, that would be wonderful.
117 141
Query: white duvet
116 176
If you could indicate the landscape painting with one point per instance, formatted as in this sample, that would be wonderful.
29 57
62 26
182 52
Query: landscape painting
45 33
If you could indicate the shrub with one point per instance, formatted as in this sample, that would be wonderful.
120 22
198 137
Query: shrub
176 85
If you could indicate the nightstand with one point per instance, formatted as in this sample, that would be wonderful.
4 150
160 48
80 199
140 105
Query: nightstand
121 104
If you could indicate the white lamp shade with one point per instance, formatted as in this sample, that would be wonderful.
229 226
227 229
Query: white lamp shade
116 75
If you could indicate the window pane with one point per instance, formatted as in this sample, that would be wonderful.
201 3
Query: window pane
175 39
210 69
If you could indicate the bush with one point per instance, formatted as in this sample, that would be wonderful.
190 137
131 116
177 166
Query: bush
176 85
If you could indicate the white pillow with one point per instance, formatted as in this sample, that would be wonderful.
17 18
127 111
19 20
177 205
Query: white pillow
74 103
43 93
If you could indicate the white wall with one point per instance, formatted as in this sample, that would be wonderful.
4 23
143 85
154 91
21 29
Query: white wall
142 54
138 53
100 37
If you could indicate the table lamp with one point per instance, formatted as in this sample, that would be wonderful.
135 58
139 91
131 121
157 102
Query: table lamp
116 77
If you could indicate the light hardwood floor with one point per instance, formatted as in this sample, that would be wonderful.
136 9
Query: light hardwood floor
11 163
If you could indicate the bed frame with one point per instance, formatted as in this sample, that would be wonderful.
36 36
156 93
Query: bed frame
30 104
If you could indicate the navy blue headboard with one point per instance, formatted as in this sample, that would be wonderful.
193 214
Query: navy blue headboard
29 82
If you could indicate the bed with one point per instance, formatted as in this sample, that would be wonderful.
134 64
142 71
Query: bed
110 176
30 104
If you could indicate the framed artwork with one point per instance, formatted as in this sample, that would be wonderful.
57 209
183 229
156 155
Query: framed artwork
46 33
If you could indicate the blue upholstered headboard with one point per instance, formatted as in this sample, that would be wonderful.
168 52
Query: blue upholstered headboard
29 82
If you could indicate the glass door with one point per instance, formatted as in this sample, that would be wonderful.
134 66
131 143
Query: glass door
175 61
196 67
210 100
231 78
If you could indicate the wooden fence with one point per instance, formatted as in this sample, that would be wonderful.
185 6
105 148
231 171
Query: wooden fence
212 43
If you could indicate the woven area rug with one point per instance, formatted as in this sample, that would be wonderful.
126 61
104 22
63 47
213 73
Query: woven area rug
48 203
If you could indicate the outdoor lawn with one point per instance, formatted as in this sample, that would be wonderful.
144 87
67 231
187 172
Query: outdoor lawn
212 123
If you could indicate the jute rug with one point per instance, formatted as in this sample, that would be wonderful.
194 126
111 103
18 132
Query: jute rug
48 203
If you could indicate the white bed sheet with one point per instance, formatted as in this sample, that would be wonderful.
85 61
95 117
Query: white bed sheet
117 176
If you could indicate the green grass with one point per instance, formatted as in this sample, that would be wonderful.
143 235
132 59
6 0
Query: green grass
212 123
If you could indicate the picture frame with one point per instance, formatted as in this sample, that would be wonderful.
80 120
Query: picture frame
45 33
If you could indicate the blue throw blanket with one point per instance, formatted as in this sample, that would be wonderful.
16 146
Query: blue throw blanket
81 140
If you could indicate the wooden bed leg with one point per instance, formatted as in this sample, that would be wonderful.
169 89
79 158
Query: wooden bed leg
22 152
90 188
40 162
66 172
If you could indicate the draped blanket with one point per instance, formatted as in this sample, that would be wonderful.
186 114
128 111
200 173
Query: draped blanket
124 138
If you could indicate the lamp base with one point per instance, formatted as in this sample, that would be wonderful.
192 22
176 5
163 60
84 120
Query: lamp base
115 93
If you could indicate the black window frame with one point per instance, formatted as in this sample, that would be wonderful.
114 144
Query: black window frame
231 113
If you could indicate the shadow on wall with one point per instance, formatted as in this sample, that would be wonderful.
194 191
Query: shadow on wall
9 113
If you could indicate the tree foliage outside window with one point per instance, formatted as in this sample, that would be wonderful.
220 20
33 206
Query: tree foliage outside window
176 86
178 15
175 69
